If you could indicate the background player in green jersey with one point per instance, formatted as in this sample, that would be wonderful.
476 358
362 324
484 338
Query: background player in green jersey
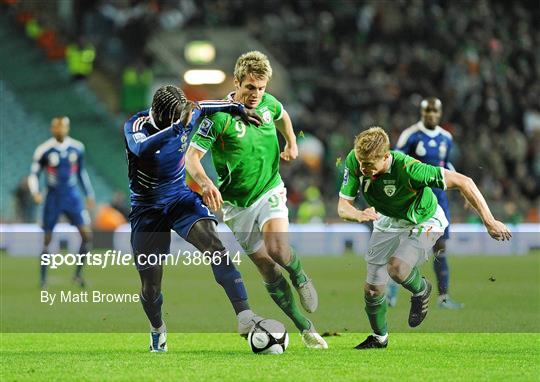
246 158
407 221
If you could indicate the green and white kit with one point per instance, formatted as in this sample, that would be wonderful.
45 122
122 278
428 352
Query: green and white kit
246 158
411 221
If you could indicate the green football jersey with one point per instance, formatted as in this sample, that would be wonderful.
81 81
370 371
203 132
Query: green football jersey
403 192
246 157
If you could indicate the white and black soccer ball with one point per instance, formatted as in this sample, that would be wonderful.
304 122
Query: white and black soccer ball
268 337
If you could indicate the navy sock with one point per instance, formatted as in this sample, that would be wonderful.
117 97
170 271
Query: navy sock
42 273
230 279
153 310
82 250
440 266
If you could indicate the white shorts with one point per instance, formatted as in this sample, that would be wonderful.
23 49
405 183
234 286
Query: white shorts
246 222
404 240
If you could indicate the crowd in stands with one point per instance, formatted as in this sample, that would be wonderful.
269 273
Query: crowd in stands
354 64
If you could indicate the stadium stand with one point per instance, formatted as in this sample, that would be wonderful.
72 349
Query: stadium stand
35 90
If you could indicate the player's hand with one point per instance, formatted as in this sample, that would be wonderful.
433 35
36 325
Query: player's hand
211 196
250 115
498 231
368 214
290 152
185 117
90 203
38 199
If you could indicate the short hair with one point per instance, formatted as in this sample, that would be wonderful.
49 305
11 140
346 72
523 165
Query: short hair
372 143
167 105
254 63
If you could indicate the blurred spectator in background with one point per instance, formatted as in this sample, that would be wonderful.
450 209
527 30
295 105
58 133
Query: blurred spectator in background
80 58
25 208
312 209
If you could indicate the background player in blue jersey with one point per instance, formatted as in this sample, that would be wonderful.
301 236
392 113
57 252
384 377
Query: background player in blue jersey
430 143
62 160
156 141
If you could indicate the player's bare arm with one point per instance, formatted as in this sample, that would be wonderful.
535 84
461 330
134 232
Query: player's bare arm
210 193
472 194
285 127
347 211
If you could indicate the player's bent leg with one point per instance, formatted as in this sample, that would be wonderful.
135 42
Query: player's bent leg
278 288
277 244
204 237
152 300
411 279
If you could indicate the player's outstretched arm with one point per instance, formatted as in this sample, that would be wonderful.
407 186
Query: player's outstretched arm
285 127
347 211
472 194
210 193
214 106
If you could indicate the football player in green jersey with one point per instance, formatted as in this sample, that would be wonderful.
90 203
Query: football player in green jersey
407 221
246 158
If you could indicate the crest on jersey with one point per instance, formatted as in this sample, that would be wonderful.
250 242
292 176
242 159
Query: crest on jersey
267 117
53 159
73 157
205 126
390 189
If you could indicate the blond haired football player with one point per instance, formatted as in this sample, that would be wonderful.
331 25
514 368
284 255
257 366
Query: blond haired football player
246 158
407 221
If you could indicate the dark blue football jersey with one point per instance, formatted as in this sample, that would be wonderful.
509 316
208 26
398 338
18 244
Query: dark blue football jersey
63 165
428 146
156 162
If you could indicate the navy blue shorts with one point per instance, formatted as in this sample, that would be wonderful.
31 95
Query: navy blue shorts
151 225
70 204
443 202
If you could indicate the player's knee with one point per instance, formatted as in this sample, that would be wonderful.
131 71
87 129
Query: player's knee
371 290
398 270
439 249
151 289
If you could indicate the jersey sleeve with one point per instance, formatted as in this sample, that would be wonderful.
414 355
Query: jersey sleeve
82 175
351 182
140 142
424 175
209 129
35 169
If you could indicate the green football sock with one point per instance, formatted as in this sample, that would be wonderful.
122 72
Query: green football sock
295 270
281 293
414 282
376 310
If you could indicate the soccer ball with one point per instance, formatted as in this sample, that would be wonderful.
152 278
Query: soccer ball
268 337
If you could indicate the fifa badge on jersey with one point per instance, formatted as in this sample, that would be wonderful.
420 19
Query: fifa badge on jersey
346 176
204 127
390 189
267 117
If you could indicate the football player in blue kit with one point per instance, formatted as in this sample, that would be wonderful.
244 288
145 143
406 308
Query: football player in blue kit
62 159
156 141
430 143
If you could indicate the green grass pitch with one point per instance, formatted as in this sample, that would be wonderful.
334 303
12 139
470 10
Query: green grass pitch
496 336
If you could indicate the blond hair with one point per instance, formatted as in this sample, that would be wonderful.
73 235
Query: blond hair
372 143
254 63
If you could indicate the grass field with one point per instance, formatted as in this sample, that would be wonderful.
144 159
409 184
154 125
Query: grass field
496 336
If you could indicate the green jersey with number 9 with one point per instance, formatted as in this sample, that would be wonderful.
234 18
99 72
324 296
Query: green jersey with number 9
246 157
